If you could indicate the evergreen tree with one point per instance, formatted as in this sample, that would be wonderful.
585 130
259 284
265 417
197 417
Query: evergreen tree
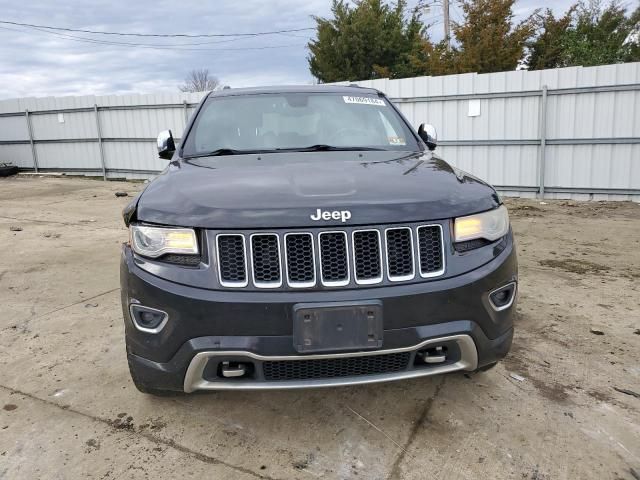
602 35
368 40
488 40
548 48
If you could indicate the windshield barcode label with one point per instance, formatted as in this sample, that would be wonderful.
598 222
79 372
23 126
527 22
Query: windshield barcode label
364 100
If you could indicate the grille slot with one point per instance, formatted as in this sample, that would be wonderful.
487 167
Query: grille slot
400 265
300 260
265 260
430 250
334 265
335 367
367 256
232 260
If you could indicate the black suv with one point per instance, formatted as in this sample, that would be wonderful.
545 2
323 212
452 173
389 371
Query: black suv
309 237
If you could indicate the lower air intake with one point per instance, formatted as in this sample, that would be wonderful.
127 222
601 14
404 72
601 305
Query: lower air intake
335 367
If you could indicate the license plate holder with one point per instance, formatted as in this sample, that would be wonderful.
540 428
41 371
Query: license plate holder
323 327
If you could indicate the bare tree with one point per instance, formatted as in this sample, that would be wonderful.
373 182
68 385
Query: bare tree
199 80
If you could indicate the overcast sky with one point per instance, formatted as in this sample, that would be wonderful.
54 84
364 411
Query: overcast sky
34 63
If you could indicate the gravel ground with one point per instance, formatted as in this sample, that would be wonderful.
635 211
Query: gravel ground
565 404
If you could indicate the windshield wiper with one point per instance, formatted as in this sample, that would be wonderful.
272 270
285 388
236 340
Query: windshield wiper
220 152
321 147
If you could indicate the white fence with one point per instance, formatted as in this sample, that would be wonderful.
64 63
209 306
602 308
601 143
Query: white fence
571 132
113 135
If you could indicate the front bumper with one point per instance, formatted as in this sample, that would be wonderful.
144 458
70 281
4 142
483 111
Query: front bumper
207 327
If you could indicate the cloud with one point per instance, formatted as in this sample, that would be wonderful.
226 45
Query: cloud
34 63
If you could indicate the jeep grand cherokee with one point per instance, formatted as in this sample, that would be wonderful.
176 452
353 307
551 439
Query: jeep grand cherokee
310 237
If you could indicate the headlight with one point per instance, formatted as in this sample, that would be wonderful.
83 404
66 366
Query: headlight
490 225
155 241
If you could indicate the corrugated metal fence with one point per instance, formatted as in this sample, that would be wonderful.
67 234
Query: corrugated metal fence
111 135
571 132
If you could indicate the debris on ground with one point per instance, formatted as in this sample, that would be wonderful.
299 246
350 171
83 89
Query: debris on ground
596 331
51 235
92 444
517 377
14 228
90 305
627 392
7 169
122 194
637 331
574 265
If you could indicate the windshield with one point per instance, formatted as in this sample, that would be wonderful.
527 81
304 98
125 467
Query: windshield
295 121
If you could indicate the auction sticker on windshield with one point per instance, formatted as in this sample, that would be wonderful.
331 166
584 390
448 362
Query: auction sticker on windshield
364 100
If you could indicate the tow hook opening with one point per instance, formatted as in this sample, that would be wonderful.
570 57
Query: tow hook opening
502 298
234 369
432 355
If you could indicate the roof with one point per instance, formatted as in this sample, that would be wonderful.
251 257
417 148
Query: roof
345 89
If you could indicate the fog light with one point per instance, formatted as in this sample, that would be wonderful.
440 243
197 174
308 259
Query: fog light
146 319
502 298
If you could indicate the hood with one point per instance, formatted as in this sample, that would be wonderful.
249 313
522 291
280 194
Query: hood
288 190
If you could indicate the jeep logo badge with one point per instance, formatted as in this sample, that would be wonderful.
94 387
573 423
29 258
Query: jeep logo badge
342 215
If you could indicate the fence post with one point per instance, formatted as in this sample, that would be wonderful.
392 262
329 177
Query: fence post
543 142
34 154
186 114
99 132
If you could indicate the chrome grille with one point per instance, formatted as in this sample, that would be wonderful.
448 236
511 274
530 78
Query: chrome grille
334 264
349 258
265 260
367 256
400 263
300 260
232 261
430 250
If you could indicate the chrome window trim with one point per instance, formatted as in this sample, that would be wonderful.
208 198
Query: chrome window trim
253 276
401 278
340 283
513 297
367 281
246 267
438 272
194 380
313 257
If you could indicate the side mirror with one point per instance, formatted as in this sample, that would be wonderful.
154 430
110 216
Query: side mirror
166 145
428 134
